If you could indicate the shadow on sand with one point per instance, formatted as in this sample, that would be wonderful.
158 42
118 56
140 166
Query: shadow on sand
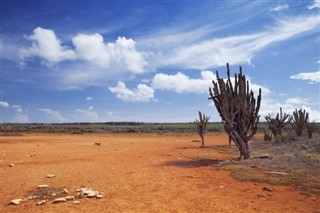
192 163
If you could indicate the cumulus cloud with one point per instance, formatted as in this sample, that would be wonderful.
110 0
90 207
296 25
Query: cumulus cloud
46 46
18 108
118 56
271 106
314 5
4 104
279 7
142 93
312 77
89 98
182 83
53 115
88 115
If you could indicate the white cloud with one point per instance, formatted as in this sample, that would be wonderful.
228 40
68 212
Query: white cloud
119 56
20 118
142 93
279 7
18 108
182 83
4 104
217 51
46 46
53 115
92 48
312 77
89 98
87 115
314 5
270 106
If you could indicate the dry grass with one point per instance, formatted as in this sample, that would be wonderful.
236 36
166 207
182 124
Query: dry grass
298 158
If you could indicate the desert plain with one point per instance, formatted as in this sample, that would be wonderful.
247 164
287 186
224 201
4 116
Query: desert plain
136 173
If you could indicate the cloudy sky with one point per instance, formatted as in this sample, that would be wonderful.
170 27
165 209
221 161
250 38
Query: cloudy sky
100 61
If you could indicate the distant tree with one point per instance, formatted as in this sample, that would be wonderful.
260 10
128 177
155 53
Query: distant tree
201 126
237 108
299 121
278 123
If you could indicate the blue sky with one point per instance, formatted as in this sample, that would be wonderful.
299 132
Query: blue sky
153 61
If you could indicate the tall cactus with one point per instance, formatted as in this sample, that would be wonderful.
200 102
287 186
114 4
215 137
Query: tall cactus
299 121
276 124
238 109
201 126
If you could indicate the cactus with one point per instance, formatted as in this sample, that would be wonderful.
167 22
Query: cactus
237 108
276 124
201 126
299 121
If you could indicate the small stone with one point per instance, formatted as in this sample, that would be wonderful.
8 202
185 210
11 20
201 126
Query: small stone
221 187
11 165
253 166
59 200
41 202
50 176
53 194
69 198
76 202
43 186
15 201
65 191
91 195
314 199
99 196
32 197
266 188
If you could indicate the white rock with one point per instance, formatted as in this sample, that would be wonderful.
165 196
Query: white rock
50 176
91 195
59 200
43 186
81 189
99 196
15 201
65 191
41 202
76 202
11 165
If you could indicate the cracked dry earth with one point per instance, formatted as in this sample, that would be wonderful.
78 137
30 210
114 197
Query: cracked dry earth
137 173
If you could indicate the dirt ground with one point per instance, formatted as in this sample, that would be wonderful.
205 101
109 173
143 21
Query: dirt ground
137 173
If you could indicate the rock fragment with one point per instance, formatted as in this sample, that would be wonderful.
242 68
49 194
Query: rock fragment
266 188
43 186
41 202
50 176
76 202
11 165
99 196
59 200
15 201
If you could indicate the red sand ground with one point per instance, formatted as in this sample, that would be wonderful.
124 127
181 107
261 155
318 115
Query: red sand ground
137 172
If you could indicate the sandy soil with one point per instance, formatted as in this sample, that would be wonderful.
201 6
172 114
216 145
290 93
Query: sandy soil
137 173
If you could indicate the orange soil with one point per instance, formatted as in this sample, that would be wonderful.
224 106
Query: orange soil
137 173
